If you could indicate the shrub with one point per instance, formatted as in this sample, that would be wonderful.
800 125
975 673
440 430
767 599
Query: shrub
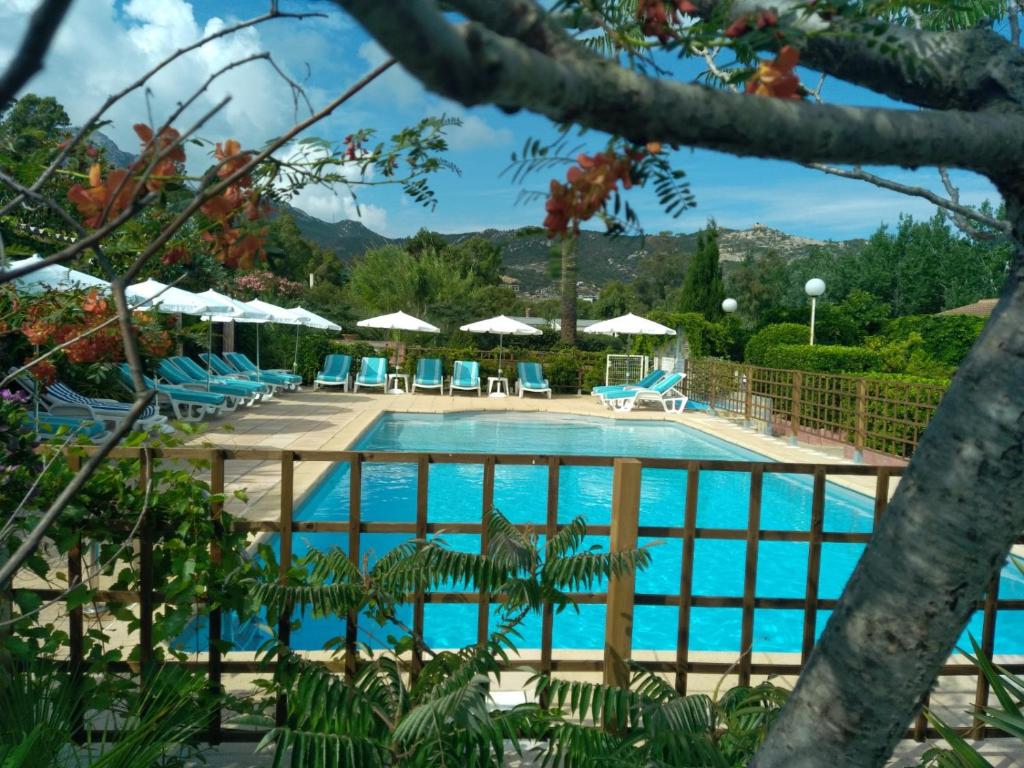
705 339
945 339
821 358
772 336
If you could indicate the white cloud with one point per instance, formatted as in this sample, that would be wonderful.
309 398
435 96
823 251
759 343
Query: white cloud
475 133
396 87
334 204
101 48
811 204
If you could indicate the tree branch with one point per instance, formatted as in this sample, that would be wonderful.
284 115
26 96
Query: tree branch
473 65
526 21
953 205
967 69
205 193
29 59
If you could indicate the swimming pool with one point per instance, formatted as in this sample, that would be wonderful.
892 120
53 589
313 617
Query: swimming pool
520 492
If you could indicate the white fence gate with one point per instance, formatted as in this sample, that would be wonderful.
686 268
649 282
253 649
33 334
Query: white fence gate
624 369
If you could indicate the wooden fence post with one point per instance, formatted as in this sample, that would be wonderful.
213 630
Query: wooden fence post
748 400
794 417
860 432
618 630
712 384
215 666
284 624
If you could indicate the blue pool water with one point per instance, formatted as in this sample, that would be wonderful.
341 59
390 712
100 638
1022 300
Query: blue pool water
455 495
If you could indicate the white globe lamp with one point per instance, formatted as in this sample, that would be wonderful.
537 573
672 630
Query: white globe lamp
729 306
814 288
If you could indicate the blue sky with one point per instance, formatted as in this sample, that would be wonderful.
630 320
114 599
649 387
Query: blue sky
106 43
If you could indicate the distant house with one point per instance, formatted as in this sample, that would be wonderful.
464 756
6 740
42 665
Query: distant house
536 322
507 281
981 308
556 325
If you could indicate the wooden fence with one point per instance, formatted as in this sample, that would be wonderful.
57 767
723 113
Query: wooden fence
620 599
870 415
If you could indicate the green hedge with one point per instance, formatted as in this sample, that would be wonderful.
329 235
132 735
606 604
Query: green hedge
946 339
772 336
822 358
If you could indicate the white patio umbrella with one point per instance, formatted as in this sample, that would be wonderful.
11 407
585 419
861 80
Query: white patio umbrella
309 320
631 325
241 313
503 326
53 277
398 321
154 295
276 314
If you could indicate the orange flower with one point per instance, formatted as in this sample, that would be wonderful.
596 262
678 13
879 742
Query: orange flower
777 78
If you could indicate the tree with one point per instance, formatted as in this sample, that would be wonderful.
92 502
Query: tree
568 290
616 298
928 563
702 289
759 286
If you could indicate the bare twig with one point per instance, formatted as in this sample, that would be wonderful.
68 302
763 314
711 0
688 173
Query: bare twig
101 566
906 189
29 59
205 193
136 205
709 55
9 524
35 537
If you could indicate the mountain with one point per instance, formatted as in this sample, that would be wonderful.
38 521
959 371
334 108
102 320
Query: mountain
115 155
526 252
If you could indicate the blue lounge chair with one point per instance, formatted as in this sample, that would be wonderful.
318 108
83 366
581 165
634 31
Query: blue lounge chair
373 372
237 392
186 404
243 364
221 368
60 394
646 382
199 375
663 392
465 376
531 379
49 424
174 376
429 374
335 372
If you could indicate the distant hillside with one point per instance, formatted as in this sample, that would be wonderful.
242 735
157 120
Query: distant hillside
525 252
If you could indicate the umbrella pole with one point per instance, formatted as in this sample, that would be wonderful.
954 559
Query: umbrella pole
295 357
258 368
209 352
37 383
501 345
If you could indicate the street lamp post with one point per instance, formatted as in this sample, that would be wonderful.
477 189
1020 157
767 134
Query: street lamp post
814 288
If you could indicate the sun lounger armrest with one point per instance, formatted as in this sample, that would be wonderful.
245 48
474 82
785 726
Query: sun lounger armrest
76 411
